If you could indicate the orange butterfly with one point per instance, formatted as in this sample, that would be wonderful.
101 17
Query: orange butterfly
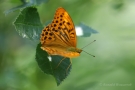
59 37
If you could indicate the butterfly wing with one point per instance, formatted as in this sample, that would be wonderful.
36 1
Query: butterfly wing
48 38
60 35
63 27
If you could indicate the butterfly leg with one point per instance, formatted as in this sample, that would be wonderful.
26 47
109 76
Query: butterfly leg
60 62
68 66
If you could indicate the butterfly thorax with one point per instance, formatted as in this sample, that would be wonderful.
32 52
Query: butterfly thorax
69 52
74 49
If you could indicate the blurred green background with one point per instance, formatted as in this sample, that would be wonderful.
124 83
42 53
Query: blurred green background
113 68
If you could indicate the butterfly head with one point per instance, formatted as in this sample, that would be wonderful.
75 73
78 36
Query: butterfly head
79 50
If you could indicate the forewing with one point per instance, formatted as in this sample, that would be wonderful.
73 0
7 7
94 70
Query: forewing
49 39
63 28
47 36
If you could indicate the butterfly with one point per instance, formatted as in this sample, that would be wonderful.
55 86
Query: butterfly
59 37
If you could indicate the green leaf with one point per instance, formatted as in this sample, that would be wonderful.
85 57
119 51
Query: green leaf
63 70
43 61
28 24
84 31
26 3
59 66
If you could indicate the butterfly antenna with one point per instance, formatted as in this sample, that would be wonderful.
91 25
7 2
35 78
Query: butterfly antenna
89 54
88 44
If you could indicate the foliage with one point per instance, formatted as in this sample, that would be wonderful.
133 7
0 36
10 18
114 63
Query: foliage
28 25
111 69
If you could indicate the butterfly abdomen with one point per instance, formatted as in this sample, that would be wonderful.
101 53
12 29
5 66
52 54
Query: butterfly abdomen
70 52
